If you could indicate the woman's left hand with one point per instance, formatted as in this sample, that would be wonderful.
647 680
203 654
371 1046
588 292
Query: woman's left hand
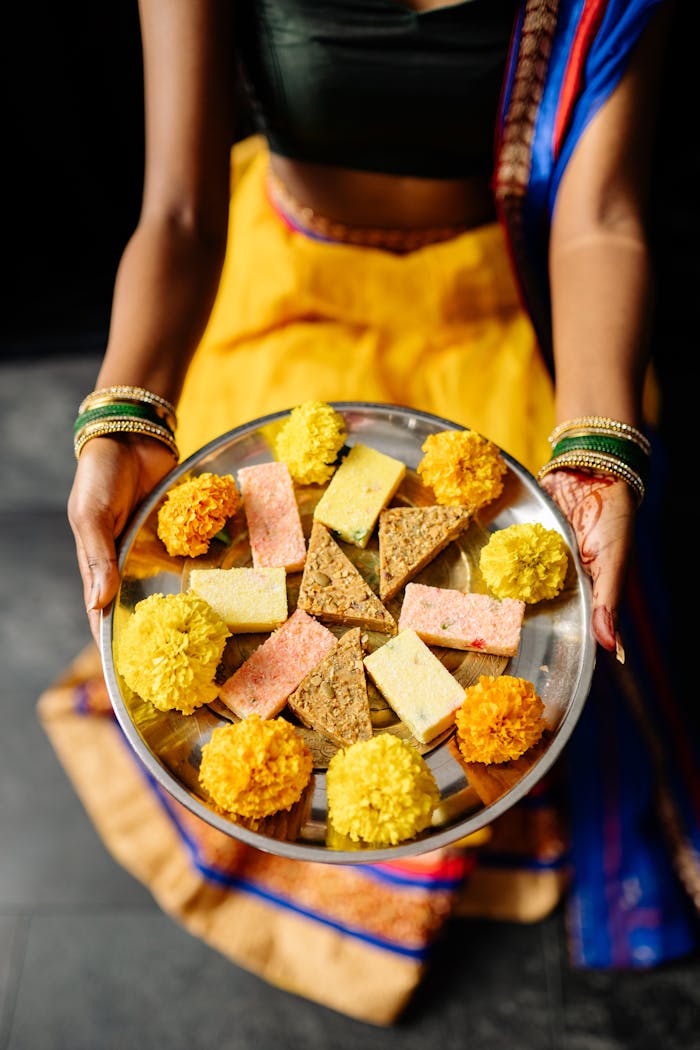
601 512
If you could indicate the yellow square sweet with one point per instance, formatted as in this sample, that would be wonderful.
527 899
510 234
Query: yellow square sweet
417 685
246 599
359 490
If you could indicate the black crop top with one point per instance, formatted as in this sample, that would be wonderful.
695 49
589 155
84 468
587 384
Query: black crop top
372 85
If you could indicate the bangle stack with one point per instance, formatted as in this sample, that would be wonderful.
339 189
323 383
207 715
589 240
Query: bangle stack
125 410
601 445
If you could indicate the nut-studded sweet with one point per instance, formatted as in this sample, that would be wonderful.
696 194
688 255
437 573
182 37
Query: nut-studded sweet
333 699
410 537
333 590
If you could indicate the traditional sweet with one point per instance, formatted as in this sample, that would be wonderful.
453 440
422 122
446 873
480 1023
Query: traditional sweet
361 487
333 589
380 791
246 599
441 616
169 650
309 442
255 767
194 511
274 525
263 682
333 699
410 537
499 720
416 684
525 561
462 467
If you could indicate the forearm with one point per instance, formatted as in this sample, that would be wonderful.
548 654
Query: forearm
169 273
164 292
600 269
602 292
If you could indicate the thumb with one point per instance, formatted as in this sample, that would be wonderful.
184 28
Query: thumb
97 560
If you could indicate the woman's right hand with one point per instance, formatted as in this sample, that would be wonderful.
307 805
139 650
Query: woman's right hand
114 475
601 511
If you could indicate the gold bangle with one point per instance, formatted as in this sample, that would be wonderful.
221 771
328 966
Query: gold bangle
600 462
136 394
106 427
600 425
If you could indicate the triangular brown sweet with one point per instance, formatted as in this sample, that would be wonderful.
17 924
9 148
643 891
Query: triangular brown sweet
333 590
410 537
333 699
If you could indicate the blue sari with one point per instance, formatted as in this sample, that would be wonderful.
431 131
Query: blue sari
632 765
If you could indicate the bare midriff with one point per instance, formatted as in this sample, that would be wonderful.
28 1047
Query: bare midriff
362 199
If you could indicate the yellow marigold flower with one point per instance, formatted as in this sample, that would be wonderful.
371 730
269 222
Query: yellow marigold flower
380 791
525 561
462 467
309 442
499 719
169 650
195 511
255 767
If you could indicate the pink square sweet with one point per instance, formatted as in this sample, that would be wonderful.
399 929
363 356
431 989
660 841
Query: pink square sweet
441 616
262 684
274 525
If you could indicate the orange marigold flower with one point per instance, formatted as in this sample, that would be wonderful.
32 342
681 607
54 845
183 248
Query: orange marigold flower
462 467
525 561
255 767
195 511
500 719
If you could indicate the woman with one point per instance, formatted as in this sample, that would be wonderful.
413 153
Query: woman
368 247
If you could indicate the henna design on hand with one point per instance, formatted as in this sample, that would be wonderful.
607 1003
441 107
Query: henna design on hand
600 510
580 498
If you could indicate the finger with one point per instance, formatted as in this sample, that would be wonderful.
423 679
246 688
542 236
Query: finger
603 628
608 582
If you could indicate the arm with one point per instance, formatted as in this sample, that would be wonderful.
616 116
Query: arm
601 288
168 275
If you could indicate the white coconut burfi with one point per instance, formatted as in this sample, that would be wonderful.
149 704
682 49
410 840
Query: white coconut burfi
419 688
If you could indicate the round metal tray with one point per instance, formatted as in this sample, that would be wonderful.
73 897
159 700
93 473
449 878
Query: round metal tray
556 651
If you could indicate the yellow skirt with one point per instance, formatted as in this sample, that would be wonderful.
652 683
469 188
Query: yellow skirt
440 329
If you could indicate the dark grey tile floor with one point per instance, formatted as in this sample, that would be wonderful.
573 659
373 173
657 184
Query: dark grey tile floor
88 961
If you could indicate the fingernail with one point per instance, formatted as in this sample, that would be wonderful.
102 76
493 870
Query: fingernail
619 648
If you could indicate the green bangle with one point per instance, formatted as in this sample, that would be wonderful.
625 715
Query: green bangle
624 449
106 395
119 410
110 394
599 425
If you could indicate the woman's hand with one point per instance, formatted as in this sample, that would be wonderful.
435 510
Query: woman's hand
114 475
601 512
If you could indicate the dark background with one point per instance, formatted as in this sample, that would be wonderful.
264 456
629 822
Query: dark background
73 160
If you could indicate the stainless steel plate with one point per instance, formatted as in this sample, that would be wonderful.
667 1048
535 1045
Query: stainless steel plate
556 651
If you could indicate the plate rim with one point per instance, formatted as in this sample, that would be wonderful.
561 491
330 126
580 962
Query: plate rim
321 853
